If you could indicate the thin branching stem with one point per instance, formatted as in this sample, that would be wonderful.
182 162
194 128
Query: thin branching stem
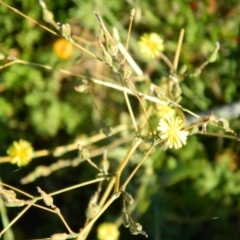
77 186
94 102
128 57
63 220
94 219
218 135
166 60
128 35
122 80
136 168
16 189
28 18
130 110
177 53
121 88
97 81
15 219
7 65
123 164
107 192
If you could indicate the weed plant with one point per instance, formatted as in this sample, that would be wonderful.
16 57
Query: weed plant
104 121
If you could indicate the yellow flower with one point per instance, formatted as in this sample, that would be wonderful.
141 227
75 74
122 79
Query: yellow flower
107 231
63 48
170 130
21 152
151 45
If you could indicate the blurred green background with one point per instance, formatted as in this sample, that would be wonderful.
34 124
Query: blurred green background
192 193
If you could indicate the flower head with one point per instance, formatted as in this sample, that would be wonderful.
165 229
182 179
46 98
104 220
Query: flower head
170 129
151 45
107 231
21 152
63 48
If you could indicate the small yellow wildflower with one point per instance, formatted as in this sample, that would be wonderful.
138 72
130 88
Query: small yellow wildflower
151 45
170 130
21 152
107 231
63 48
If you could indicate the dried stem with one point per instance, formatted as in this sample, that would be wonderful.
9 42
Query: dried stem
136 168
177 53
